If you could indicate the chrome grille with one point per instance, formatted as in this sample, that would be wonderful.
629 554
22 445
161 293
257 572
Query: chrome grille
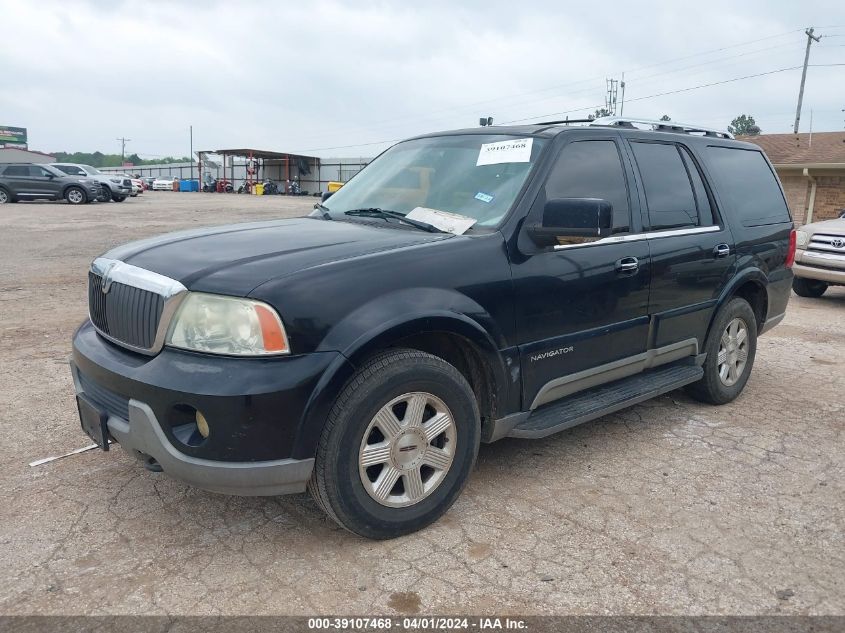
824 243
127 314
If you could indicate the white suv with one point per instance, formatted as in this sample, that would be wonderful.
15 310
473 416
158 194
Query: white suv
114 186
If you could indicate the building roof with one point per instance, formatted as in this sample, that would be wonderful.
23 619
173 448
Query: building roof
256 153
801 149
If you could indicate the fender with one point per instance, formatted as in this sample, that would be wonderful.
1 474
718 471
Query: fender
362 340
754 274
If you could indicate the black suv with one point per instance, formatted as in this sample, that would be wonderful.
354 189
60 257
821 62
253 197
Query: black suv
464 287
26 181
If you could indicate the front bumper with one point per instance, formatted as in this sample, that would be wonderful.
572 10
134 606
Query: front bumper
824 266
254 407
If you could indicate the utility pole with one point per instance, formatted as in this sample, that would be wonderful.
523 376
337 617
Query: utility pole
610 99
123 142
810 39
622 101
191 133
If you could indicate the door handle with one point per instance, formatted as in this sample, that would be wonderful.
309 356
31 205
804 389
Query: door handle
721 250
627 265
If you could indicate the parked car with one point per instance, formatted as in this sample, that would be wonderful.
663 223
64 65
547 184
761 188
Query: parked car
136 183
557 274
113 187
148 181
164 183
26 181
820 258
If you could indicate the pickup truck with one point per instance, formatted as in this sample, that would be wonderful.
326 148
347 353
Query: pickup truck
464 287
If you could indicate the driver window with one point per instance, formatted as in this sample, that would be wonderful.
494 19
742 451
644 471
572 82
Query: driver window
592 169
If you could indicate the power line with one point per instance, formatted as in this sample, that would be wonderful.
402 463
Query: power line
429 115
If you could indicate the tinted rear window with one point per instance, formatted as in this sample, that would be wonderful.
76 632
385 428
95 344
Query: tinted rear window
17 170
747 186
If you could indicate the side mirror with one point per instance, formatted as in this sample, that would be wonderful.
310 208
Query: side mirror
326 195
50 175
572 217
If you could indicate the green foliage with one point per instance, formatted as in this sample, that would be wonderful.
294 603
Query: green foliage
744 126
601 112
665 117
98 159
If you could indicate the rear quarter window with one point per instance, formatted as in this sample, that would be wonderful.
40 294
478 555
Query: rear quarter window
747 186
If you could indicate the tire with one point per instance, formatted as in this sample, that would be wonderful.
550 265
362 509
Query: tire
723 382
808 287
5 196
105 194
75 195
118 198
435 463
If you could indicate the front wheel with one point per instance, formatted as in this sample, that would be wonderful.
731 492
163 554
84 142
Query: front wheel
75 195
4 196
730 347
118 198
808 287
105 194
398 445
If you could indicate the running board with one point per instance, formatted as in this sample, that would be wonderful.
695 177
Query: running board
598 401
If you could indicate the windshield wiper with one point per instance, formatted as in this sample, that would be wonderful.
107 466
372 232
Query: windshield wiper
376 212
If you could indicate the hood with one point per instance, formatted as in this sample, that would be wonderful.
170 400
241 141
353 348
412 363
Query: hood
236 258
831 227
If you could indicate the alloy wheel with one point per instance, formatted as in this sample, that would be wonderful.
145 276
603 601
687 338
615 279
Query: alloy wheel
733 352
407 449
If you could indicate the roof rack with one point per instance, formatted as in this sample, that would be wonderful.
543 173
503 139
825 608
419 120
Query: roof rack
661 126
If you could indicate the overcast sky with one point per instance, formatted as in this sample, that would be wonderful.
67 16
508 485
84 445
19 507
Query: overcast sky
348 78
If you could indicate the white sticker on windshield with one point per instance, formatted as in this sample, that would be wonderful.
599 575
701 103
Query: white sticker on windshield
516 151
449 222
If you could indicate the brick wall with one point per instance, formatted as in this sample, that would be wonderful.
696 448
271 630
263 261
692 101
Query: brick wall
797 192
830 197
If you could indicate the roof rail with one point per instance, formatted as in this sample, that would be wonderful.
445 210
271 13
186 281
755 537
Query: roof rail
660 126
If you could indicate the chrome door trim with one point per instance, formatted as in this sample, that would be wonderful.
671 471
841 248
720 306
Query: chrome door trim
649 235
171 290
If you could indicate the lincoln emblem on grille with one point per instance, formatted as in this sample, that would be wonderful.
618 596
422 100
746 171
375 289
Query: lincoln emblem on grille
107 279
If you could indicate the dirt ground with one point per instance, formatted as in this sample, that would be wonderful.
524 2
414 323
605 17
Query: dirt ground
671 507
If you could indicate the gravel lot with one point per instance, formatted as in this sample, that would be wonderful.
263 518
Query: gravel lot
671 507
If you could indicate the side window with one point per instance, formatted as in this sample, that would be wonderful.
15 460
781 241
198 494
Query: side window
41 172
668 191
706 215
747 186
17 170
592 169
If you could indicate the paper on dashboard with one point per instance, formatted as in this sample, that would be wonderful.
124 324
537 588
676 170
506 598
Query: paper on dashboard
443 220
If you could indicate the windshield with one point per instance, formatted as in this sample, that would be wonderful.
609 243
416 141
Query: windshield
477 176
91 170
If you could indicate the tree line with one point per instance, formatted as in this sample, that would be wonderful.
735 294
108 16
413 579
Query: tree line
98 159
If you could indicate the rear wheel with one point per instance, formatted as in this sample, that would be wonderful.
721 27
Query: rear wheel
4 196
75 195
118 198
398 445
808 287
731 347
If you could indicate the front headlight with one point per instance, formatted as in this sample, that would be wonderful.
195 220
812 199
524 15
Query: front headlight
227 325
801 239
